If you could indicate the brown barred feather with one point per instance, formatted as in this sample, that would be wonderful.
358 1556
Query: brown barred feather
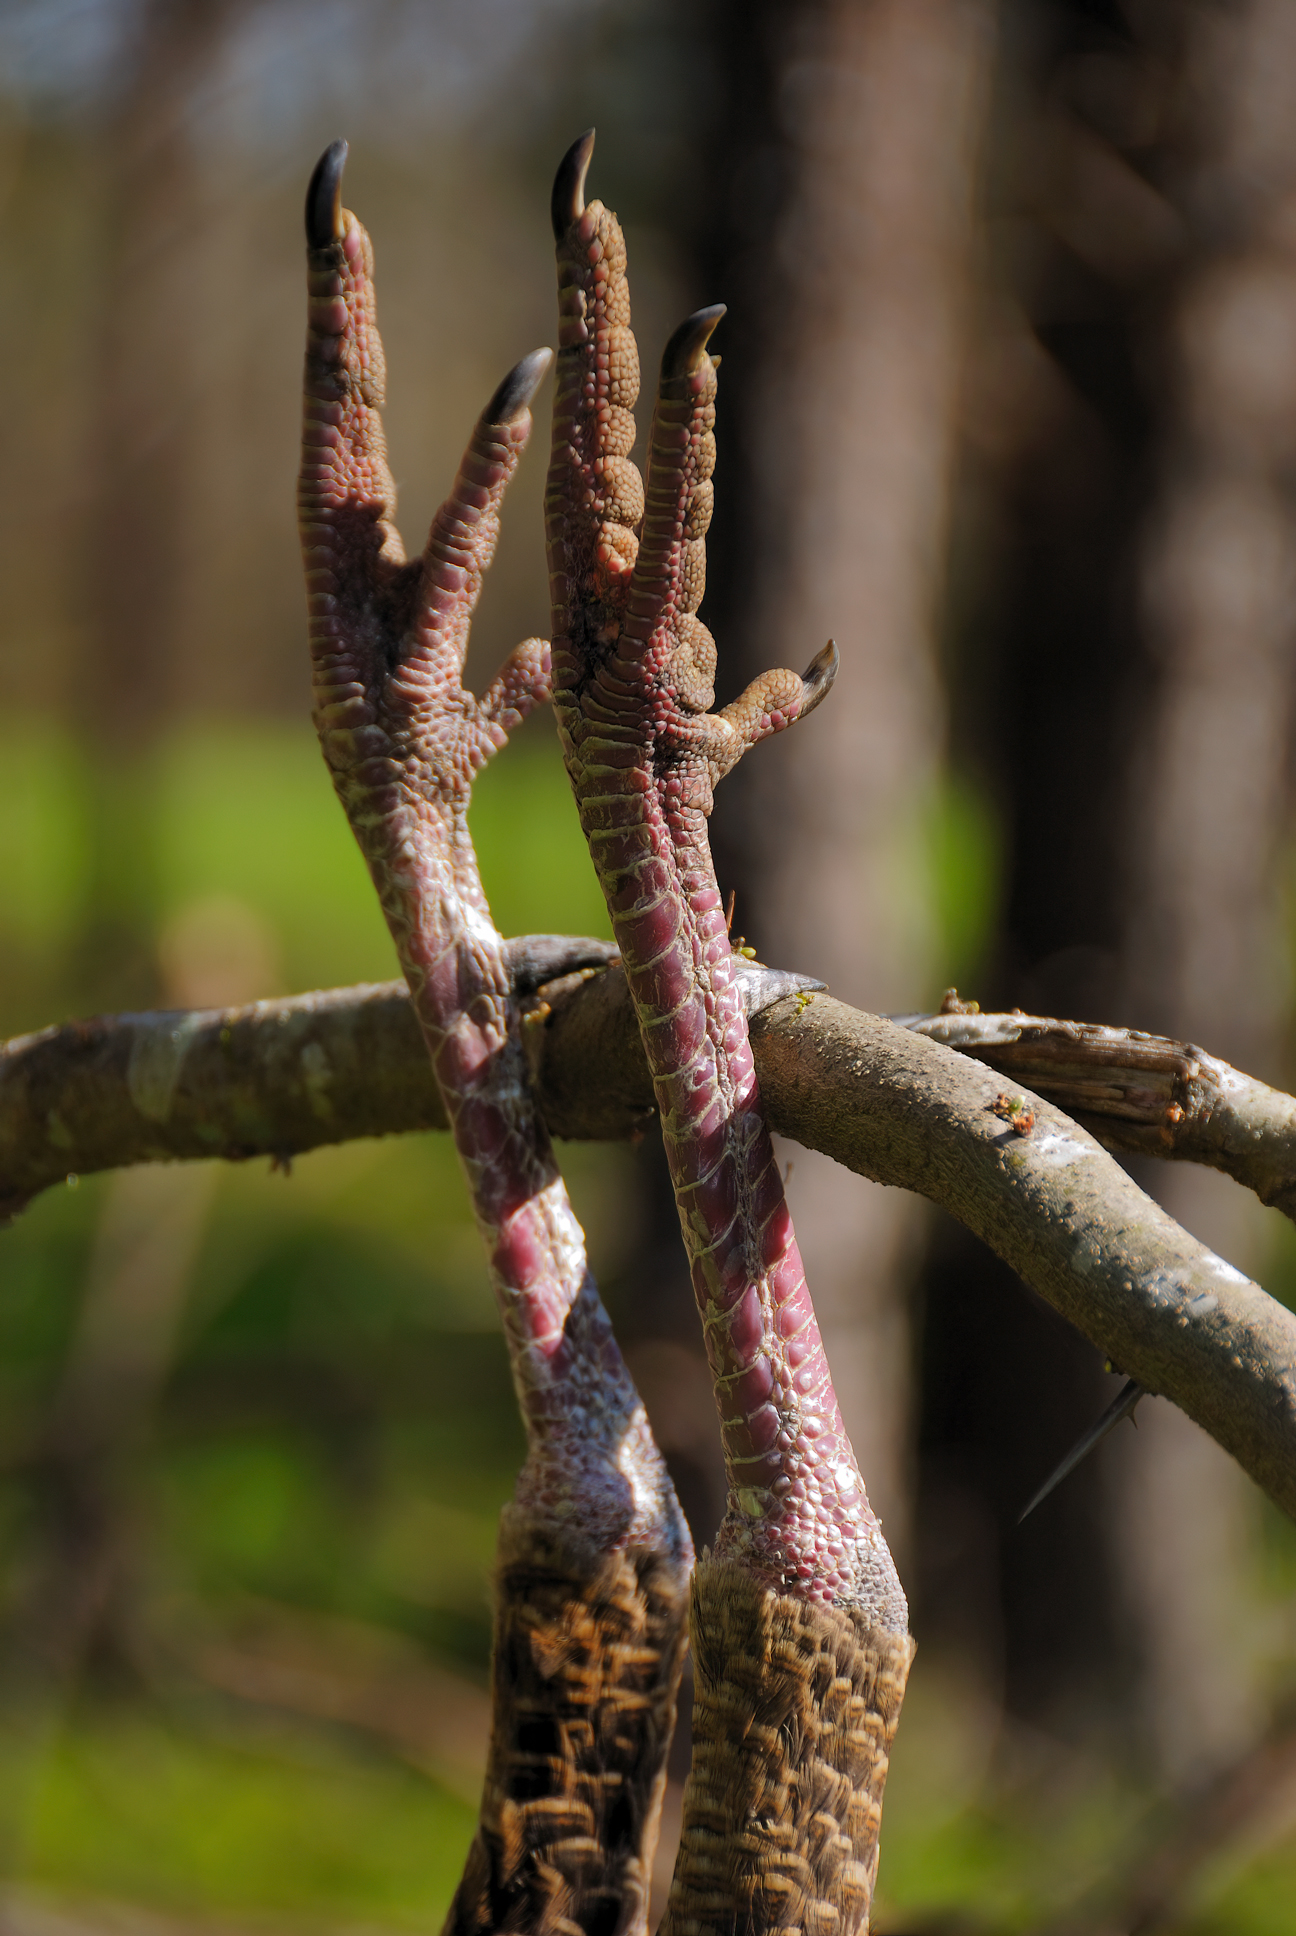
586 1666
794 1712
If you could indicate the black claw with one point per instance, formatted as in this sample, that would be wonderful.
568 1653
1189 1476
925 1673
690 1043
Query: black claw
324 197
518 388
686 348
817 679
567 201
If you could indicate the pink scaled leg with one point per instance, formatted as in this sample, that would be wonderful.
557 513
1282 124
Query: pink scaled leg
800 1583
594 1555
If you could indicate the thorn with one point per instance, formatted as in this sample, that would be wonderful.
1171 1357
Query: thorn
567 202
684 352
324 197
1122 1406
518 388
817 679
730 905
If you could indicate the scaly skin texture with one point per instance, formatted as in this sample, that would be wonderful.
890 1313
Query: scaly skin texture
595 1536
799 1623
633 669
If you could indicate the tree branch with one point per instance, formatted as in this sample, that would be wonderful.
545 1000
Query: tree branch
271 1079
1144 1095
279 1078
895 1106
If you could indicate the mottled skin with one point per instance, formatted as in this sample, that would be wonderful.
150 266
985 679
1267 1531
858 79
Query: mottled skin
595 1555
633 669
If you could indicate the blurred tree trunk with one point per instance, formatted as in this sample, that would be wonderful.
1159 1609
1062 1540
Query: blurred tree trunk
153 282
1203 948
844 166
1055 480
1123 677
79 1585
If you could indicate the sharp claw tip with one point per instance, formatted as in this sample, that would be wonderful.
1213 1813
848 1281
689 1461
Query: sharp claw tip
824 665
518 388
567 201
684 352
324 197
817 679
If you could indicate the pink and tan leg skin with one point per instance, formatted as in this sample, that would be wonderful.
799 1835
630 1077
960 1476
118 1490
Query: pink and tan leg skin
594 1555
799 1622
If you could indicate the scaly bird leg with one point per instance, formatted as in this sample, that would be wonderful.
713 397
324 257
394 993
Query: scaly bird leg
594 1554
800 1628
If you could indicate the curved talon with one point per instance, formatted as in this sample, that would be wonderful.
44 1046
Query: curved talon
519 386
817 679
324 197
567 202
684 352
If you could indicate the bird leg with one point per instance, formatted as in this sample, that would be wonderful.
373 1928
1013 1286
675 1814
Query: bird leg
799 1622
594 1554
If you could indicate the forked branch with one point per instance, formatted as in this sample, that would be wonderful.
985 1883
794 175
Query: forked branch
280 1078
1145 1095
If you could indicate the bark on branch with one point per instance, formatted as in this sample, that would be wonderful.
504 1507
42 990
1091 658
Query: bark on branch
279 1078
282 1077
1144 1095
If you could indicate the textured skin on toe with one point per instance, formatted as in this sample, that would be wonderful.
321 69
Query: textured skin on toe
585 1669
403 739
633 674
794 1712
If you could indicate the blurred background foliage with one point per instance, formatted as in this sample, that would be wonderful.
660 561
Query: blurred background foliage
1009 406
